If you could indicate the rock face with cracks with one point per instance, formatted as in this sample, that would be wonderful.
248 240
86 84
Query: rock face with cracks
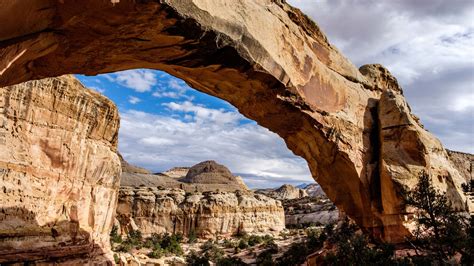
59 172
353 126
208 214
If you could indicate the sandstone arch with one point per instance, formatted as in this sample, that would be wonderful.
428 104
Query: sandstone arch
266 58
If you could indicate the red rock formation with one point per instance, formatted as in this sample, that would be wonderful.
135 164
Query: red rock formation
267 59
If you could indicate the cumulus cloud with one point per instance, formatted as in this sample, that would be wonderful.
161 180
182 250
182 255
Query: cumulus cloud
133 99
427 45
170 87
139 80
160 142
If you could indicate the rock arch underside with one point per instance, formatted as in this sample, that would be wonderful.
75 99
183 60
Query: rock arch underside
353 126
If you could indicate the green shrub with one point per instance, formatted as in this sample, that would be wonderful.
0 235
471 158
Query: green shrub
228 243
114 236
265 258
193 259
116 258
192 238
156 253
243 244
230 261
254 240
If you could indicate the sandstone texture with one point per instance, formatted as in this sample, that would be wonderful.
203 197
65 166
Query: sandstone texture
464 163
59 172
209 214
285 192
353 126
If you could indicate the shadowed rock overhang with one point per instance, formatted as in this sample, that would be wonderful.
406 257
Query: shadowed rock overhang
353 126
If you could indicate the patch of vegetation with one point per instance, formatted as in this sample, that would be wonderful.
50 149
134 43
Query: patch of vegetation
114 235
116 259
352 248
193 259
441 231
212 252
160 244
165 244
134 240
192 237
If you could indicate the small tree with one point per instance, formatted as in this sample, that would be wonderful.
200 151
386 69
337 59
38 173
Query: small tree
440 230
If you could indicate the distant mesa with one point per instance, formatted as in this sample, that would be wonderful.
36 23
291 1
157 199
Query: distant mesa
204 176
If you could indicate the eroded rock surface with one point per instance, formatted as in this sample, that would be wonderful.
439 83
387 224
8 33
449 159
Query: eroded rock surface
208 214
354 128
285 192
59 171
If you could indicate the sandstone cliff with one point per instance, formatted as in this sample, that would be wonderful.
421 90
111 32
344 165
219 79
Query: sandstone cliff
353 126
59 171
154 210
464 162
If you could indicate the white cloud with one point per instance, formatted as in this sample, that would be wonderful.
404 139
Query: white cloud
171 87
202 114
427 45
139 80
161 142
133 99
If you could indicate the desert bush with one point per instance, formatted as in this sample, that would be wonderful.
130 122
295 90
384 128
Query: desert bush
114 235
243 244
192 237
230 261
193 259
254 240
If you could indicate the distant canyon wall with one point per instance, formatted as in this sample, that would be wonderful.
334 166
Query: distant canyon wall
59 171
209 214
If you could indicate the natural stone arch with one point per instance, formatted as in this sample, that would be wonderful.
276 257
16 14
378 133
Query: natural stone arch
266 58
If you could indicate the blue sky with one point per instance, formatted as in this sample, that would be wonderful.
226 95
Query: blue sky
165 123
427 45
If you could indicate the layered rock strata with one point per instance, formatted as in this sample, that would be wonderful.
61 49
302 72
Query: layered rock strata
353 126
59 171
209 214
